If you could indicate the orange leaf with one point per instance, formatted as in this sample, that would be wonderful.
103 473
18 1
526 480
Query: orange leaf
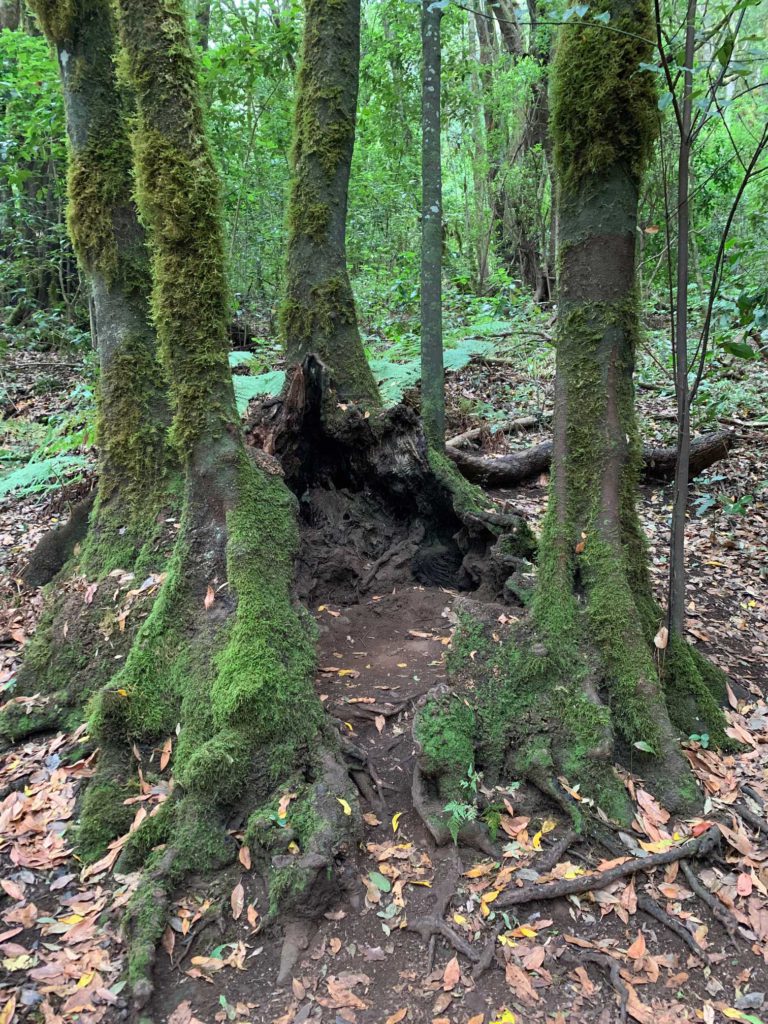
638 947
210 597
452 974
165 756
244 856
397 1016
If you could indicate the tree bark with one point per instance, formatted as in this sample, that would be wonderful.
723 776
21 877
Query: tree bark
565 693
110 246
318 312
432 372
225 661
659 464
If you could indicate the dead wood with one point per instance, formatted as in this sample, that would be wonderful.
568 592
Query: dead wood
509 427
519 467
599 880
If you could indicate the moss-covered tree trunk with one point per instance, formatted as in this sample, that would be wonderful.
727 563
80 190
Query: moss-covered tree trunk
64 660
225 660
110 246
582 683
318 313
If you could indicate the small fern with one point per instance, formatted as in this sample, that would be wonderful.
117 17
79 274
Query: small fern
41 477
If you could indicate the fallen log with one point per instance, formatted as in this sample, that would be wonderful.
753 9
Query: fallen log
519 467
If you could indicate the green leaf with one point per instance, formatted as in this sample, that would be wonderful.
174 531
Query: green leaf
380 881
664 100
646 747
725 50
740 349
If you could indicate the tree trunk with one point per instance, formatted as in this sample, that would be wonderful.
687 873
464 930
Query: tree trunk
124 527
432 373
578 685
225 661
318 313
10 14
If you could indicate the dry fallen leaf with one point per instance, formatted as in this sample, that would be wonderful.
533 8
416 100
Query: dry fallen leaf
210 597
397 1016
638 947
237 899
452 974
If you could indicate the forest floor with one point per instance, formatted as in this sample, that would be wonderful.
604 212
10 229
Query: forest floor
582 959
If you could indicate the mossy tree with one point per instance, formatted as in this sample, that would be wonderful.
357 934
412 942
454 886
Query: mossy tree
583 681
133 465
225 659
318 314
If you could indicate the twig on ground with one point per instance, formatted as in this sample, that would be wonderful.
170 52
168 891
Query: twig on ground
552 856
608 964
757 823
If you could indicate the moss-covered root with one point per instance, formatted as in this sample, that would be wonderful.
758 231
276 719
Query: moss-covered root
695 691
305 849
144 925
444 732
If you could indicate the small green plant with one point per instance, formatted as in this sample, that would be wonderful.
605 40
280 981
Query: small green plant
701 738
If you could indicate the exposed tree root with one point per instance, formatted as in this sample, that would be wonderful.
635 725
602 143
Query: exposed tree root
519 467
754 820
431 811
433 926
374 498
697 847
652 908
724 916
608 964
554 855
55 547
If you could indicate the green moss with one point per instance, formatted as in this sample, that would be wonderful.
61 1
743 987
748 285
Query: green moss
103 817
154 831
445 730
603 107
55 17
694 689
286 886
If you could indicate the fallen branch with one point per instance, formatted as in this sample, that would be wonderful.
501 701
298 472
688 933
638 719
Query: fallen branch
519 467
724 916
600 880
509 427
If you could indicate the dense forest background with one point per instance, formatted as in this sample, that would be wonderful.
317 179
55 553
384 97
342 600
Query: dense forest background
498 246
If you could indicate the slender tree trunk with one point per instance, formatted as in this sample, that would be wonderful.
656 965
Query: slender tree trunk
682 390
318 313
110 246
432 372
203 21
10 14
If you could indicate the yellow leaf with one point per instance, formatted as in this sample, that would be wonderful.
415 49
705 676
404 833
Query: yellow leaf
459 919
402 664
85 980
344 805
72 919
732 1014
537 840
489 897
525 932
122 693
505 1017
293 847
548 826
479 870
6 1014
396 820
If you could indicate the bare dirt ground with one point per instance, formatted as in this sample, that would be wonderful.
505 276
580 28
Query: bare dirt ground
597 957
